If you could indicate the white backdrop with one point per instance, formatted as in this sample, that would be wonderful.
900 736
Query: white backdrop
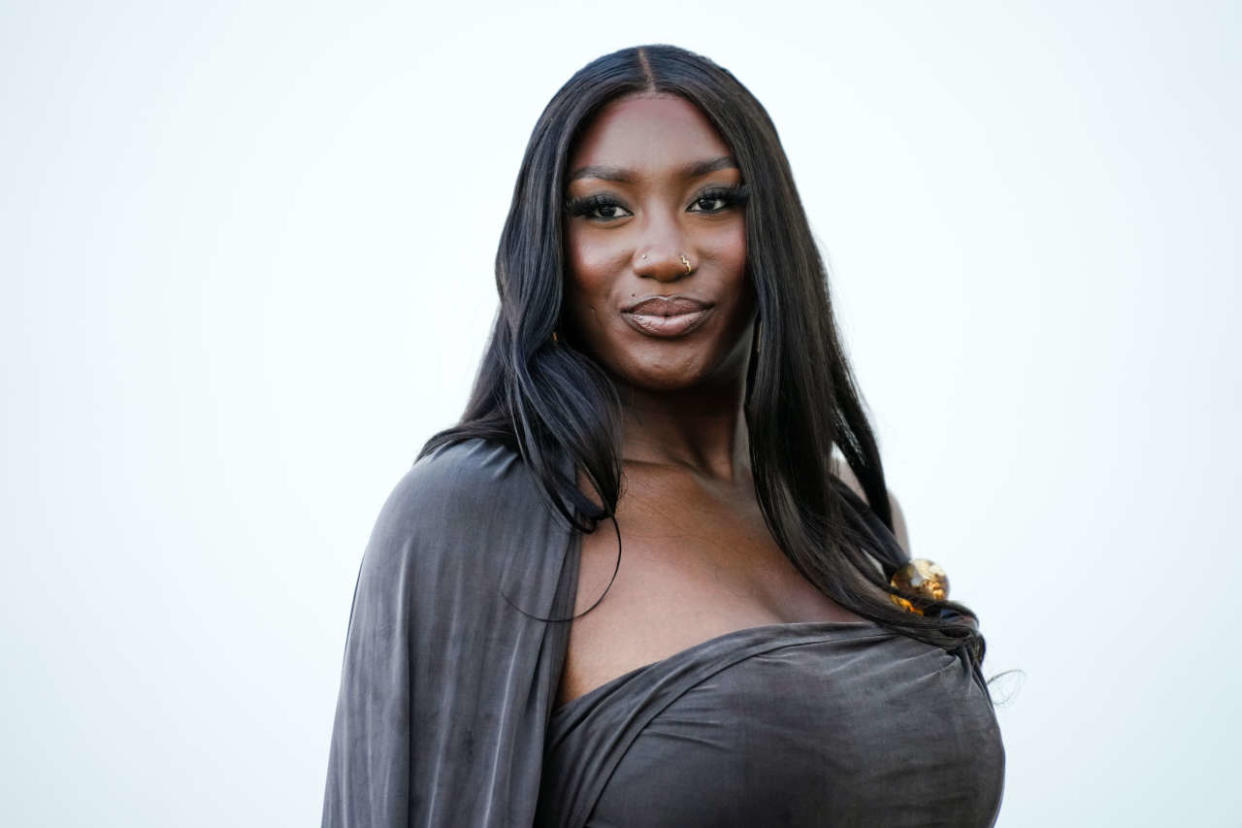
246 254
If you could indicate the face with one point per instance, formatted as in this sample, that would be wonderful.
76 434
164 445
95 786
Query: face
652 186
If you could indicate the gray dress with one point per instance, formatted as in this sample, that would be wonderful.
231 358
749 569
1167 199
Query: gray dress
445 714
806 724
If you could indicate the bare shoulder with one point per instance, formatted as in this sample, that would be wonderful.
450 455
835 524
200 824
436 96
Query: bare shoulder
842 470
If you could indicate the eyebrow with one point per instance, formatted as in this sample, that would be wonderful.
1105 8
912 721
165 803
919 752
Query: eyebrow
694 169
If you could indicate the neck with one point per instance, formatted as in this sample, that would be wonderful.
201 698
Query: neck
702 429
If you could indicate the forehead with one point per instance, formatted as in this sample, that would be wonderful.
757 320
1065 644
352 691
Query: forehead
647 133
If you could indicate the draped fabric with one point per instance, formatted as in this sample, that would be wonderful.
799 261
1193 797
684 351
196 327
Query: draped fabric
445 688
445 710
822 723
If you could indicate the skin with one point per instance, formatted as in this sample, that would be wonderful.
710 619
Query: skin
698 560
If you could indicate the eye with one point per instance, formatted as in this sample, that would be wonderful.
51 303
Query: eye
599 207
719 199
710 204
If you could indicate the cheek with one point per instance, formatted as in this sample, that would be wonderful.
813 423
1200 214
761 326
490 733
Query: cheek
729 251
593 266
737 249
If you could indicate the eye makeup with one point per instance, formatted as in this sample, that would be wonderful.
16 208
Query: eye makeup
587 206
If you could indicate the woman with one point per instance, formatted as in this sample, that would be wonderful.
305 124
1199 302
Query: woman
664 379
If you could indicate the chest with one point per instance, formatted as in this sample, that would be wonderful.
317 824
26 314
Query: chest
803 725
695 563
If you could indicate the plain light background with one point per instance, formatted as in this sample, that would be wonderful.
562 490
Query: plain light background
246 258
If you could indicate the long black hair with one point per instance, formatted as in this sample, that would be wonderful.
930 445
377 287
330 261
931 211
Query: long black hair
557 407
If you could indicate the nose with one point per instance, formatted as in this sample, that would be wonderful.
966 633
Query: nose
659 255
664 264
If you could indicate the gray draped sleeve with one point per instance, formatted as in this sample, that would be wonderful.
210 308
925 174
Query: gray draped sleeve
446 689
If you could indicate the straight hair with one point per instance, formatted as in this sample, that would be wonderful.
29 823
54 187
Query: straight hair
554 405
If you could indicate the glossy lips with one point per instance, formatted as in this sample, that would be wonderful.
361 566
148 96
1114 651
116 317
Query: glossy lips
666 316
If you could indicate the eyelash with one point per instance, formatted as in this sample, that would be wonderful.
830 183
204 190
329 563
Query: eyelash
587 205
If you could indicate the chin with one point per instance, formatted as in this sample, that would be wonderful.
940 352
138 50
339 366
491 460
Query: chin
670 373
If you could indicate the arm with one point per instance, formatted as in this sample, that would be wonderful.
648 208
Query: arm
445 688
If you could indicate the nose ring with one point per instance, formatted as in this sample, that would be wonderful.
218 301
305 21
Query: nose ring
685 263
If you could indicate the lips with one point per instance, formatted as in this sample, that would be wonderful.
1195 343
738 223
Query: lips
666 306
667 316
